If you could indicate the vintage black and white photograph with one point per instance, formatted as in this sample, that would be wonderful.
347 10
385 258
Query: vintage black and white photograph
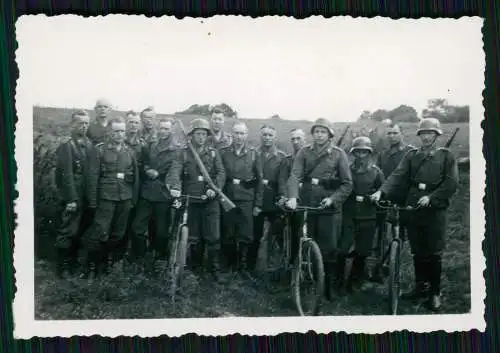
259 176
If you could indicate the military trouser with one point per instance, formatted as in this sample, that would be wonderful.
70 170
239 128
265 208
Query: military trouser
238 232
161 212
275 229
426 232
361 232
326 230
108 228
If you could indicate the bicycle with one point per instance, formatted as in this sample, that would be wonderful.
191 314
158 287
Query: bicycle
391 259
308 266
179 248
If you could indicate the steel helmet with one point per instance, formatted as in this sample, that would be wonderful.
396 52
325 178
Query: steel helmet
361 143
200 123
429 124
323 123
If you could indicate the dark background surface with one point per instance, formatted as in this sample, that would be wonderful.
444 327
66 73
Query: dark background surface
340 342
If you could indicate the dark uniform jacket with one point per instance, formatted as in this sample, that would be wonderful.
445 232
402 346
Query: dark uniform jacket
243 175
389 159
189 177
224 141
113 175
71 166
433 173
159 155
271 165
148 136
330 177
366 180
137 144
96 132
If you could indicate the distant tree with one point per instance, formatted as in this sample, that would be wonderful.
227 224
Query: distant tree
276 117
380 114
365 115
441 110
206 110
404 113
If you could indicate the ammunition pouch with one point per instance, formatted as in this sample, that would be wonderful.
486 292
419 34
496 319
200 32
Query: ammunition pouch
129 178
249 184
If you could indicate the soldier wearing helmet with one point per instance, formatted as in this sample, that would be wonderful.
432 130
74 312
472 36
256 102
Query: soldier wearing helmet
359 221
204 215
98 128
323 170
430 177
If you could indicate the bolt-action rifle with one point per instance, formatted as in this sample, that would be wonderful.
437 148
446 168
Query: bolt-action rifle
341 139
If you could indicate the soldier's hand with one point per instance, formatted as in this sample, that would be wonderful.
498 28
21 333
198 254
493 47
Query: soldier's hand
376 196
256 211
210 193
291 203
152 174
71 207
175 193
281 202
424 201
326 202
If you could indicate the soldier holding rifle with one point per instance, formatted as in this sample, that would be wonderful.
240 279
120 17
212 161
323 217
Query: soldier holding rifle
430 176
204 215
324 171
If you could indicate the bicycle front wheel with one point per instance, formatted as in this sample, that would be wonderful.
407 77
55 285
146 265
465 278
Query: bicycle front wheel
394 277
308 279
178 259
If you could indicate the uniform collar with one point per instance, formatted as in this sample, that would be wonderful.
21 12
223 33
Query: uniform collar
133 139
244 149
322 149
273 151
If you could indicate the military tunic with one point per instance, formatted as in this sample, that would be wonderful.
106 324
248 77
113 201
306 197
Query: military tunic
224 141
113 186
244 187
148 136
433 173
203 216
359 212
324 172
71 166
271 163
97 132
155 201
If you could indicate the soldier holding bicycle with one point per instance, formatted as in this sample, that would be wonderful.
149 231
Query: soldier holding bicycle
430 177
323 170
204 216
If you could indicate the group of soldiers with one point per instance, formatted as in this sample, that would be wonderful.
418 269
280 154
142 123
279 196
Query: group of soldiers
127 171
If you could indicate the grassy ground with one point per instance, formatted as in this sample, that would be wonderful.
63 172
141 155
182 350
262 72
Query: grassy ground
126 295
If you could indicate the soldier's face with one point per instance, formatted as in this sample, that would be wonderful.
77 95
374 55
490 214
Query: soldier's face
133 124
427 138
102 110
117 134
267 136
148 119
80 125
240 134
320 135
361 154
393 135
200 137
164 129
217 121
298 140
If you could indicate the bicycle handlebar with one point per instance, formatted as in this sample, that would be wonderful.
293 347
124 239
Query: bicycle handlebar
388 205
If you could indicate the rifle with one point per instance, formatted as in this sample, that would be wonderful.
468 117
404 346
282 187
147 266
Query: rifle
339 142
452 137
226 203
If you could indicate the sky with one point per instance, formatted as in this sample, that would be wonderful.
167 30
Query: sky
300 69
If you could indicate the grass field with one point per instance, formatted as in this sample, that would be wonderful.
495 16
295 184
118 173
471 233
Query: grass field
127 295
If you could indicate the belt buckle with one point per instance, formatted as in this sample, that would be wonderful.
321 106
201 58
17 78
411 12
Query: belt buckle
200 178
265 182
120 175
300 185
236 181
422 186
314 181
359 198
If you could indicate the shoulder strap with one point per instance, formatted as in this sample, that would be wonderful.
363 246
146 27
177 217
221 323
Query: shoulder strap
317 161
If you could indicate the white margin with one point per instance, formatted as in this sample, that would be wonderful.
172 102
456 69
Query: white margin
25 326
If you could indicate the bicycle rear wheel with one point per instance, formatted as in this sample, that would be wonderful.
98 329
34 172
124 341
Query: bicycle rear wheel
178 259
308 279
394 277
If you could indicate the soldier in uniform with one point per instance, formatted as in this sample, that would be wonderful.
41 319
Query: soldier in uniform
158 162
298 139
112 190
323 170
218 138
430 176
271 159
98 128
71 165
359 222
204 215
148 132
244 187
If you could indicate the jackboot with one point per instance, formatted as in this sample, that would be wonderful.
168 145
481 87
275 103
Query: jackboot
420 289
215 270
340 276
244 264
355 280
434 275
329 272
63 263
90 266
196 257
